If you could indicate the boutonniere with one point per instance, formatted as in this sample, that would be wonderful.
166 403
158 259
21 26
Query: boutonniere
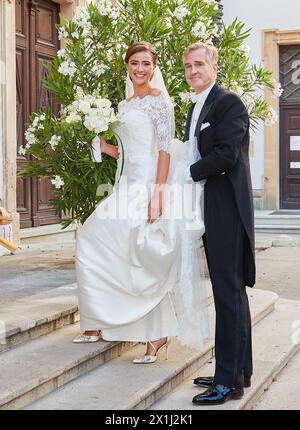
205 125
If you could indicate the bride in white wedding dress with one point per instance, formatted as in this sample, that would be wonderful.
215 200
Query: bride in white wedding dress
138 266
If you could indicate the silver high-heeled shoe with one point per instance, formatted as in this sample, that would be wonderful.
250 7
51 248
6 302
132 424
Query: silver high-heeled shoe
145 359
84 338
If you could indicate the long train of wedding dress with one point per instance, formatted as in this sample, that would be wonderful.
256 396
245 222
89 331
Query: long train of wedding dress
140 281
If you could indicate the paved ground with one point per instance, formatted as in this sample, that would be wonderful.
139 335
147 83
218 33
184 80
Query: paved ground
36 269
278 270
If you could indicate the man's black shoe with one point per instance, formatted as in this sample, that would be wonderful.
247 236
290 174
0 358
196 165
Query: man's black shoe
208 381
218 395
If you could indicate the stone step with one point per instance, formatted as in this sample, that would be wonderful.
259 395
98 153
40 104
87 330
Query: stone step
284 393
276 222
36 315
273 347
44 364
28 318
129 386
47 233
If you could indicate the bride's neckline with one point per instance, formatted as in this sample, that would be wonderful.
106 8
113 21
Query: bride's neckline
142 98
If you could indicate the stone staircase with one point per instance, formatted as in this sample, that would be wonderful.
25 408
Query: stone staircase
277 222
42 369
272 350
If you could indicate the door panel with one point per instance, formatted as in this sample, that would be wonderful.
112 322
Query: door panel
290 127
36 44
290 157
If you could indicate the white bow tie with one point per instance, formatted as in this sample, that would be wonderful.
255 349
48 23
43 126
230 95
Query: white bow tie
197 97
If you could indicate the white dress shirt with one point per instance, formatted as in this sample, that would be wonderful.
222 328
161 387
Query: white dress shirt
200 99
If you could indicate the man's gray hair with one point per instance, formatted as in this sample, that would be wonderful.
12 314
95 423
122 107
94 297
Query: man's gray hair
211 51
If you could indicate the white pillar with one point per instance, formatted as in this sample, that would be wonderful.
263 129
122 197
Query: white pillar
8 146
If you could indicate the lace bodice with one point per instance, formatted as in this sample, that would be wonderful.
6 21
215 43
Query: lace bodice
156 107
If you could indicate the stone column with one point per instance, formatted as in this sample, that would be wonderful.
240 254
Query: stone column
8 146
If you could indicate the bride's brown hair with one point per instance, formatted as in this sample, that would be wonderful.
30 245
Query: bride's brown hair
141 47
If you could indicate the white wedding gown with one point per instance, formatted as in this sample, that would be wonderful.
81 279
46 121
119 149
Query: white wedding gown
140 281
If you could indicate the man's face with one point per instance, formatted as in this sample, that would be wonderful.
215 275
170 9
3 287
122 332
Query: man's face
199 72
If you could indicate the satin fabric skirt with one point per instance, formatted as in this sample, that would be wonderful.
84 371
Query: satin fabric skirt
126 270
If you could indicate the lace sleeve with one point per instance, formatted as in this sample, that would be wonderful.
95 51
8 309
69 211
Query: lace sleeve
162 120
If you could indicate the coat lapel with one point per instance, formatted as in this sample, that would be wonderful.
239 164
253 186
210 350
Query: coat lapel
188 122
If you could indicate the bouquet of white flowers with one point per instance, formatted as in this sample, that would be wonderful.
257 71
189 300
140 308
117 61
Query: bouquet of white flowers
96 114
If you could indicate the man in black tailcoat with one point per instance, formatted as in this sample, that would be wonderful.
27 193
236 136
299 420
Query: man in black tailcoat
219 121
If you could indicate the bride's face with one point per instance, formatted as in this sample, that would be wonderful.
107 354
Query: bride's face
140 68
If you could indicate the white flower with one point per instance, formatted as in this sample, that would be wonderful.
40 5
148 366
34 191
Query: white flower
278 90
212 2
244 49
234 86
61 53
78 91
271 118
30 137
110 54
75 34
54 141
87 42
84 106
67 68
81 17
73 117
249 101
239 91
199 30
22 150
106 8
185 97
36 120
62 34
94 123
214 30
57 181
180 12
103 103
99 69
115 14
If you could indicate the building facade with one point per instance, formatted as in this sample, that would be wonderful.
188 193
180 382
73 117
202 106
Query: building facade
275 151
28 40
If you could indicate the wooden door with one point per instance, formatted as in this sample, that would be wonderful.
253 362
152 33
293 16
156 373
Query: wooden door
36 43
290 127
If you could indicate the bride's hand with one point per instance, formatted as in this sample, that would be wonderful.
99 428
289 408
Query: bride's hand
155 208
103 145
